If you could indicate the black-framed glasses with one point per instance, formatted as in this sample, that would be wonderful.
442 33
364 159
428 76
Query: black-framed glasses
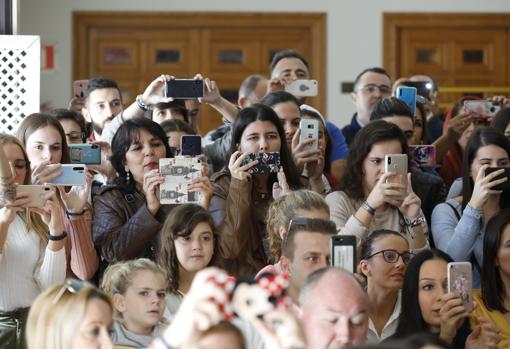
391 256
72 285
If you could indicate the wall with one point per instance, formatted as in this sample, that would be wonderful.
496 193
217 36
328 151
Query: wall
354 32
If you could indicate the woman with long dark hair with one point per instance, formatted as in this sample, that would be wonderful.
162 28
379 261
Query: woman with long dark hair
241 199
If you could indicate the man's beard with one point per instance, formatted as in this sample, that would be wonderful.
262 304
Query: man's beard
97 128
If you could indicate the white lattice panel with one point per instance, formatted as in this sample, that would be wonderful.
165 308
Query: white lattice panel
20 65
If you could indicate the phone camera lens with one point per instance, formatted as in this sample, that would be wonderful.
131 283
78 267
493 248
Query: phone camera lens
389 160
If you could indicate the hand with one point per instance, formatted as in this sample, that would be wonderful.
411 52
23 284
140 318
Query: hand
385 192
281 187
50 213
76 104
301 153
274 85
280 330
452 312
411 206
45 172
485 335
315 168
9 211
211 91
151 182
105 168
502 100
458 125
76 199
236 167
483 186
155 92
204 186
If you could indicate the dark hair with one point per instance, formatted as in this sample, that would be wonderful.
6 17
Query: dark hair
327 137
278 97
479 138
180 222
249 84
368 243
66 114
100 83
501 120
287 54
260 112
388 107
299 224
424 134
420 340
493 288
177 106
35 121
176 125
411 319
127 134
373 133
376 70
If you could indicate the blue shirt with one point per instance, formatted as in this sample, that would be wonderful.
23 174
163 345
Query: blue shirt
340 149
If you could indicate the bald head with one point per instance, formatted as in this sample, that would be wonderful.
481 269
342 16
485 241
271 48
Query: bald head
334 308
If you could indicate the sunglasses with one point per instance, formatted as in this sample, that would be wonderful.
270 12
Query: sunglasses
391 256
72 285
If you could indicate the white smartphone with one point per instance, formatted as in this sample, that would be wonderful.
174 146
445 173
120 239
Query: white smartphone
72 174
310 130
396 163
302 88
35 193
460 282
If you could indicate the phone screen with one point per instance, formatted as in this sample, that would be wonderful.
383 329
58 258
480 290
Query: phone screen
343 257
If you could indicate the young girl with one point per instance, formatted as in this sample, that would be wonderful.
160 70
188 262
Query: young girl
138 289
187 244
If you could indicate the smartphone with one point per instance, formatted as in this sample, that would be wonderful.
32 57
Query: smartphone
486 109
79 88
267 162
343 252
72 174
408 96
504 185
36 193
185 88
85 154
191 145
396 163
302 88
310 129
423 88
179 172
424 155
460 282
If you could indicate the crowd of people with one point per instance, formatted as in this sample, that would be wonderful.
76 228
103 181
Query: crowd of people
249 263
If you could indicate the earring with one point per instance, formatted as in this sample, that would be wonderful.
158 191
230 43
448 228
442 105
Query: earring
128 176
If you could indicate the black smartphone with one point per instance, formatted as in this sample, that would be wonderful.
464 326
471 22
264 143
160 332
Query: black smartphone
185 88
343 252
504 185
191 145
85 154
267 162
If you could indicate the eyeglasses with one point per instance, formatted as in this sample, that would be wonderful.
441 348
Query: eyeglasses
21 164
391 256
76 136
72 285
371 88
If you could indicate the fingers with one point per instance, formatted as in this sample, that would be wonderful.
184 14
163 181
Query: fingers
295 141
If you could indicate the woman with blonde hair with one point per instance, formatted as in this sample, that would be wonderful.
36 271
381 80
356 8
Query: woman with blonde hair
32 256
74 315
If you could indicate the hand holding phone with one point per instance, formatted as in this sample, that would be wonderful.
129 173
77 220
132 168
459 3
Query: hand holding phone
70 175
35 193
408 96
302 88
460 282
185 88
482 108
309 129
266 162
79 88
505 185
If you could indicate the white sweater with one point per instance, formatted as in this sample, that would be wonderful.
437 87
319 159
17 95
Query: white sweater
27 267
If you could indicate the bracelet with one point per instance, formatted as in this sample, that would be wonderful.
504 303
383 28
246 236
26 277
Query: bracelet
160 343
415 222
57 237
368 208
141 104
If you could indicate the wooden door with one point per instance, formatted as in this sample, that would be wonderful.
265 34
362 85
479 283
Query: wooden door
134 48
465 54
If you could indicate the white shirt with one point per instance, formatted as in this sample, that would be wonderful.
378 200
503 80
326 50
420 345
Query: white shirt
389 328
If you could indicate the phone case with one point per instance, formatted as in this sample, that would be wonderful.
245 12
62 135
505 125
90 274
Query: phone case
343 252
504 185
85 154
408 96
268 162
79 88
486 109
302 88
424 155
396 163
185 88
179 172
72 175
310 129
191 145
35 192
460 281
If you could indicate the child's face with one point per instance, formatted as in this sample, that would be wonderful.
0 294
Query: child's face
143 304
194 252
